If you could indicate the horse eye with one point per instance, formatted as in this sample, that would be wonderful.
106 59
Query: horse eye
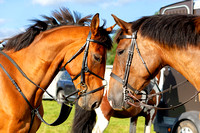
120 51
97 58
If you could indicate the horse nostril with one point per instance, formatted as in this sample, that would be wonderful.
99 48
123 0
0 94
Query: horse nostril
95 105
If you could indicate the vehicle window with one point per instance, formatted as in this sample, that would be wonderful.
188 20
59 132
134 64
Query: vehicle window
65 76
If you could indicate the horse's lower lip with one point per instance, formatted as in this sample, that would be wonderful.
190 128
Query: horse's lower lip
113 106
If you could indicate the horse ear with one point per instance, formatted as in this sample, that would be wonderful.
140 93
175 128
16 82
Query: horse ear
122 24
109 29
95 24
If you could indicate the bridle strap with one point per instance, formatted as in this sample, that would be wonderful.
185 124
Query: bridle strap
161 108
65 109
82 48
121 81
74 56
90 73
85 68
130 57
134 36
64 113
84 64
101 43
144 63
78 52
124 81
23 74
20 91
93 91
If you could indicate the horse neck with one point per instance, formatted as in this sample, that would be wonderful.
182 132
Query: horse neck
41 60
185 61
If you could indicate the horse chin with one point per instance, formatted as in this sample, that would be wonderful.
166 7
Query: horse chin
126 106
87 104
119 106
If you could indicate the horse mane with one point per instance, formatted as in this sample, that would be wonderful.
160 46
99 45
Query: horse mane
84 120
64 17
169 30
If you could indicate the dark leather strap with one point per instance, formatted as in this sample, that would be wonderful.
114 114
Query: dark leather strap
64 113
93 91
65 109
98 42
121 81
85 68
74 56
20 70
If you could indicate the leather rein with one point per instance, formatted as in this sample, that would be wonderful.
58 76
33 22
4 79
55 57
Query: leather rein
66 107
127 94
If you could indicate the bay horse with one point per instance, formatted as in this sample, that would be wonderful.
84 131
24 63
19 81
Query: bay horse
105 111
149 44
40 52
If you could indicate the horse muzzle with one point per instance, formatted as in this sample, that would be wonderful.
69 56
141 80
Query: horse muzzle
87 103
118 102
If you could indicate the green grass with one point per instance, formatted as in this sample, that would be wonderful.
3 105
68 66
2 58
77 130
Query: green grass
51 112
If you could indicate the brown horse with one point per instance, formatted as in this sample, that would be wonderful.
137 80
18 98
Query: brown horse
154 42
40 52
105 111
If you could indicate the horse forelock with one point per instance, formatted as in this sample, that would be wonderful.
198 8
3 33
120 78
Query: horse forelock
135 27
170 30
64 17
118 34
105 38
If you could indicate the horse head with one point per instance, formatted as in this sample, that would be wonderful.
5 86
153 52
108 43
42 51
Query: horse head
88 68
137 61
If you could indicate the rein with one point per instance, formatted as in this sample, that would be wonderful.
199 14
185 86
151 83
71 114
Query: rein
66 107
124 82
159 108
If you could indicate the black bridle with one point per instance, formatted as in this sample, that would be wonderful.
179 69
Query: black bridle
124 81
85 69
126 93
65 108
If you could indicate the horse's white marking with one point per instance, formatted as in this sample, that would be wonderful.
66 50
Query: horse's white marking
144 97
148 129
148 126
104 82
161 82
107 76
101 123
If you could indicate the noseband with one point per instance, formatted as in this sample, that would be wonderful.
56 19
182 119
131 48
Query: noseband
124 81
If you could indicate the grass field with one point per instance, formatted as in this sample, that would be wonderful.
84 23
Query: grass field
51 112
